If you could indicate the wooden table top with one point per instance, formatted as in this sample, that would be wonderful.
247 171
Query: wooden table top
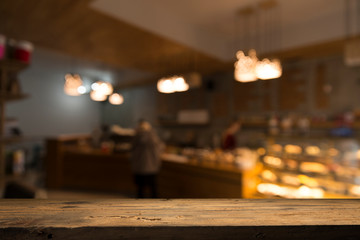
180 219
178 212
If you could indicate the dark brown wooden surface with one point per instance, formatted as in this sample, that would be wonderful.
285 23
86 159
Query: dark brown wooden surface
199 181
97 171
180 219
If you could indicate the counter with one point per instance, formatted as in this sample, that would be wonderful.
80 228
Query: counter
76 167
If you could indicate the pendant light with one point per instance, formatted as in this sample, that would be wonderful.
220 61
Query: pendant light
249 68
245 66
98 96
116 99
268 69
172 84
73 85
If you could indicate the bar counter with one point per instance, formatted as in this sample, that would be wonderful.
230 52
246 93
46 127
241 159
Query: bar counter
90 169
180 219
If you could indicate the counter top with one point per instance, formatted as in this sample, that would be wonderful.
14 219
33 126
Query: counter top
218 165
166 157
209 218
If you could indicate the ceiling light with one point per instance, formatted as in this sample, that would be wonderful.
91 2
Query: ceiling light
172 84
180 85
245 66
267 69
116 99
165 86
98 96
249 68
104 88
72 84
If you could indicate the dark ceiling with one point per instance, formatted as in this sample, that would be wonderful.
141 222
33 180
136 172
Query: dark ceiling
71 27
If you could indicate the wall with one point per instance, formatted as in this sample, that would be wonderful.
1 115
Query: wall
49 111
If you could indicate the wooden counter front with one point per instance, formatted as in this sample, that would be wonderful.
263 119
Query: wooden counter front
180 219
206 179
89 169
93 170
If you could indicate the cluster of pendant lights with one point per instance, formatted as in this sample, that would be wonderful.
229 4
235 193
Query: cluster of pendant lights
100 90
172 84
249 68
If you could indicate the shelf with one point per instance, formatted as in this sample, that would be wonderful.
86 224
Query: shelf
13 65
337 176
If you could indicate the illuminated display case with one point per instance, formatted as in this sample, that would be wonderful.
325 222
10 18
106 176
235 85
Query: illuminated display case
310 168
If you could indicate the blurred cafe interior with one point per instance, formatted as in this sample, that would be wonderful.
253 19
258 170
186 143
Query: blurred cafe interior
76 77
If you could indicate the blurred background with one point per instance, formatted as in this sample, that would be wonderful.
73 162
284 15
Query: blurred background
76 76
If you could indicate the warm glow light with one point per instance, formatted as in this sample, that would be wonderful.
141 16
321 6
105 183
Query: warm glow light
116 99
180 85
312 150
268 176
245 66
313 167
290 192
355 190
97 96
172 84
104 88
273 161
165 86
261 151
293 149
308 181
267 69
72 84
290 180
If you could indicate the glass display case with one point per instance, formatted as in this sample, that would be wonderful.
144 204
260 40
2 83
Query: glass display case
310 168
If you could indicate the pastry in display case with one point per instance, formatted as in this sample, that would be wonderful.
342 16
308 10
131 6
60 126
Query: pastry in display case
310 168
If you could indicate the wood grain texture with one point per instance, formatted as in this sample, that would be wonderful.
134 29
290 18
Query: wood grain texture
180 219
178 212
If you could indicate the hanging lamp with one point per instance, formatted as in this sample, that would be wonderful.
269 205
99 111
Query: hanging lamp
245 66
73 85
116 99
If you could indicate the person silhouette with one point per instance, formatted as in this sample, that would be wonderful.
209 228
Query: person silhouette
145 160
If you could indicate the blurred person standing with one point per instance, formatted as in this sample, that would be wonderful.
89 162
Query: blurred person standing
229 136
145 161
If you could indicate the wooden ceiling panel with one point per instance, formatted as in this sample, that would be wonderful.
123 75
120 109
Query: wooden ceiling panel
73 28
